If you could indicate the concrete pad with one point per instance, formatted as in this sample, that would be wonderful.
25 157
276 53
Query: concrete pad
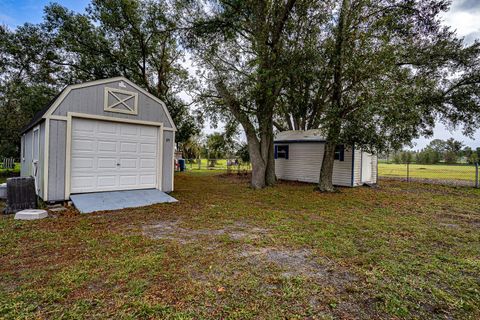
115 200
31 214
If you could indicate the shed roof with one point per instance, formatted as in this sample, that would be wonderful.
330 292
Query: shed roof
292 136
38 117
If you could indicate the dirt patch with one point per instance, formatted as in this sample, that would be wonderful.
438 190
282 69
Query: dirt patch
299 262
172 230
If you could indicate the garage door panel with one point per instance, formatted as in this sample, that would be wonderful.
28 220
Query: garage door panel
128 147
107 146
147 179
147 163
128 130
107 163
127 181
148 148
83 145
83 163
105 181
150 132
108 128
82 182
128 164
109 156
83 127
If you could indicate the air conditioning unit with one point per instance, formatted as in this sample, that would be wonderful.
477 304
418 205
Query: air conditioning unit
21 194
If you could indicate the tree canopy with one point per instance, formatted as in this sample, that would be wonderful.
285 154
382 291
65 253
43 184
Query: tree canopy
133 38
376 74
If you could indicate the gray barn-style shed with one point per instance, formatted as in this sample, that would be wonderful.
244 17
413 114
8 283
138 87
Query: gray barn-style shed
104 135
299 156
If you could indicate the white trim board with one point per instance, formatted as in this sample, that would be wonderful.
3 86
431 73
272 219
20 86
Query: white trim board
120 101
46 154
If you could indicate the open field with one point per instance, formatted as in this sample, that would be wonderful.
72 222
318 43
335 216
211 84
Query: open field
220 164
425 171
226 251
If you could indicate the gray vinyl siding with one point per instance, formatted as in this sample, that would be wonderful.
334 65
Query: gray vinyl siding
41 160
90 100
56 160
167 161
26 169
305 161
26 165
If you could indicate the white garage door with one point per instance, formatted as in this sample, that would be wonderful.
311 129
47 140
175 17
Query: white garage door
108 156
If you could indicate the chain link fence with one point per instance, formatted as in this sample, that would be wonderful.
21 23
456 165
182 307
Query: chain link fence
229 165
447 174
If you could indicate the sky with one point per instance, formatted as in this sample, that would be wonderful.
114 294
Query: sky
463 16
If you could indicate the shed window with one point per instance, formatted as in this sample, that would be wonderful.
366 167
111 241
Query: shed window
340 152
281 152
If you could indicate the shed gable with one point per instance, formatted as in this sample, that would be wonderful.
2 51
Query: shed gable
116 97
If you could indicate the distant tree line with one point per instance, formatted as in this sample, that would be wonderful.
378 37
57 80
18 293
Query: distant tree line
215 146
437 151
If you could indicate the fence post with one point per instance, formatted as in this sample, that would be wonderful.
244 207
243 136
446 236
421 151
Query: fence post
408 171
476 176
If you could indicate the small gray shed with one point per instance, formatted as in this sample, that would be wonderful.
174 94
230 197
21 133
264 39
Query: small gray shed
299 156
104 135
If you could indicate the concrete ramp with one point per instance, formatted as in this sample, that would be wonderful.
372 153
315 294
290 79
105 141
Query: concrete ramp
115 200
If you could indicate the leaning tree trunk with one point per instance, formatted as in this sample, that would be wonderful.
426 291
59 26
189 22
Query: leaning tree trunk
325 183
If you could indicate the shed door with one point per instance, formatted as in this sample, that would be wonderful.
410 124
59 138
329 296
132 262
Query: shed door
108 156
36 157
366 167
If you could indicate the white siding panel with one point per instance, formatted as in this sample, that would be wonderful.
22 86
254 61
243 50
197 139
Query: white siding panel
305 161
374 168
357 167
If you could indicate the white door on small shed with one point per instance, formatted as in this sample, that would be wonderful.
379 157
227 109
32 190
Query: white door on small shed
366 167
108 156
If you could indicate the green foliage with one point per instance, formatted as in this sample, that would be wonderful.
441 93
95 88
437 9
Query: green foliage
219 145
473 158
427 156
243 154
134 38
404 157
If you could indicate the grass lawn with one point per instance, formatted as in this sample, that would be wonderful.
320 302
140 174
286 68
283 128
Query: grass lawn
442 172
221 164
15 169
225 251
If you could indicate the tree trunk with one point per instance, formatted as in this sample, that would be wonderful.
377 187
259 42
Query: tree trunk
270 177
258 163
325 184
